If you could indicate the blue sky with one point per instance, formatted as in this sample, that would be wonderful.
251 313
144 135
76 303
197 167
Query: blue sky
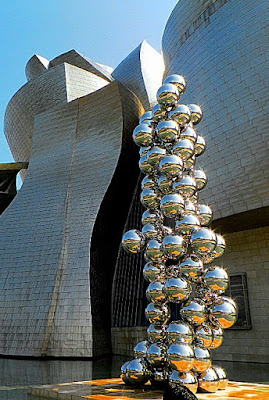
106 31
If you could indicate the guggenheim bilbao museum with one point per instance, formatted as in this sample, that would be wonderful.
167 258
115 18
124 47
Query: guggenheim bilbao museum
67 289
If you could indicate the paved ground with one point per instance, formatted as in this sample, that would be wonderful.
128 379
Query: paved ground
114 389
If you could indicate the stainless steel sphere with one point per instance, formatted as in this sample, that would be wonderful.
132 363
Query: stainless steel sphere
167 131
181 114
154 251
177 289
151 231
184 149
179 330
143 135
205 215
189 207
155 154
220 246
200 178
148 183
151 271
186 186
223 380
203 241
171 166
208 381
155 292
123 374
202 359
159 377
189 133
157 314
166 231
194 312
150 198
167 95
137 372
140 350
174 246
156 354
165 184
190 163
217 279
217 341
144 150
133 241
158 112
171 205
177 80
151 217
199 146
146 118
180 356
192 268
196 113
224 313
187 379
144 165
156 333
228 299
204 335
186 224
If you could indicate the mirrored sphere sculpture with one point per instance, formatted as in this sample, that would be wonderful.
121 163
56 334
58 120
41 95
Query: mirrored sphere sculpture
179 330
187 379
133 241
180 356
208 381
223 380
137 372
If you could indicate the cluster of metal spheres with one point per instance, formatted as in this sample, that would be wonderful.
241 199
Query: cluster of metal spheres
178 248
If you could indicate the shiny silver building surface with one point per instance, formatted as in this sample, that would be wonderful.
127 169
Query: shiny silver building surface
73 122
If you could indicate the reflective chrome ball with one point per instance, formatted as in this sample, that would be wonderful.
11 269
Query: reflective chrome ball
143 135
200 178
140 350
137 372
202 359
165 184
150 198
217 279
184 149
174 246
192 268
167 131
177 80
208 381
220 246
171 166
156 354
187 379
159 377
190 163
199 146
204 335
167 95
189 133
203 241
144 150
223 380
186 186
151 217
155 154
177 289
180 356
217 337
154 251
194 312
157 314
133 241
196 113
179 330
224 313
156 333
123 374
155 292
181 114
171 205
148 183
152 271
146 118
186 224
144 165
205 214
158 112
151 231
189 207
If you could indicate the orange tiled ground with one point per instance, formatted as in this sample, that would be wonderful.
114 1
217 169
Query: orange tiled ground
114 389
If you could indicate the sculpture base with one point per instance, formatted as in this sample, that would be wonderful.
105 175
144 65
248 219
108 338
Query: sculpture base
115 389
